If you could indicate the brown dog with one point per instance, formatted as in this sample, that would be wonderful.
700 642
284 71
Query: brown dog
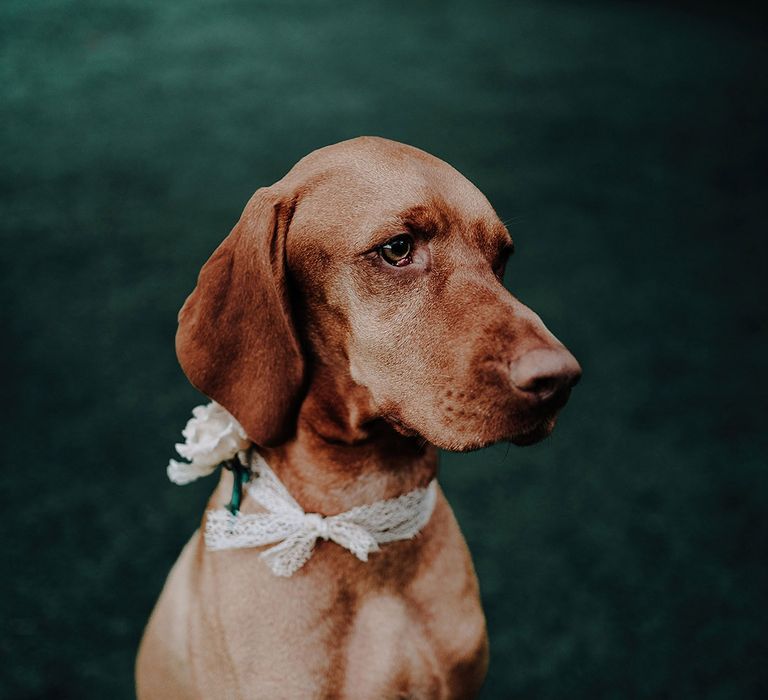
353 319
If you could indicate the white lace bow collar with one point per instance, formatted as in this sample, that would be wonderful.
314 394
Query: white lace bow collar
284 523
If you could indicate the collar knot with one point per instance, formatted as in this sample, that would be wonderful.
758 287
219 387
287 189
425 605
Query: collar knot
318 524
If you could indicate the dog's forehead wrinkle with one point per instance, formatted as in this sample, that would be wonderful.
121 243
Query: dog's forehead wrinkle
349 220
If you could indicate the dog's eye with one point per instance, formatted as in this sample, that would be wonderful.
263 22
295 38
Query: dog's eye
397 251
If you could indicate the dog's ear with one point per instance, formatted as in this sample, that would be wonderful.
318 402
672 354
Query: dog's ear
236 340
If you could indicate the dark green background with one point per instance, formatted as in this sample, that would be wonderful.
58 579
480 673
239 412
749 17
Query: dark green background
624 143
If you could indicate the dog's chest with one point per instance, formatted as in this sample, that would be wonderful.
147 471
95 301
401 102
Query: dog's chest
408 624
396 648
379 646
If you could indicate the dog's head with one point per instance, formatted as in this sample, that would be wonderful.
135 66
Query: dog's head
391 264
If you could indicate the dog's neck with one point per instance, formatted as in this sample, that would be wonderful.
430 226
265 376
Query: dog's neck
344 454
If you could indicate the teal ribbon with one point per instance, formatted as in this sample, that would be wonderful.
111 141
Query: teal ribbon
240 476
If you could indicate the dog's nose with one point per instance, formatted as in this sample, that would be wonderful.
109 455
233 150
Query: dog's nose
545 372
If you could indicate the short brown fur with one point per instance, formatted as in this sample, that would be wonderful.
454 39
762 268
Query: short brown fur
346 372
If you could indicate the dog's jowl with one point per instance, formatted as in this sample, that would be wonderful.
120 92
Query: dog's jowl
352 322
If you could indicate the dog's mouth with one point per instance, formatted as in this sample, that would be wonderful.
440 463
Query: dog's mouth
532 435
524 425
542 423
400 426
532 431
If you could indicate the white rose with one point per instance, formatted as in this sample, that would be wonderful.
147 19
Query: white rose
211 436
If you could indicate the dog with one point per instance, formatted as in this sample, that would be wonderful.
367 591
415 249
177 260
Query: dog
353 321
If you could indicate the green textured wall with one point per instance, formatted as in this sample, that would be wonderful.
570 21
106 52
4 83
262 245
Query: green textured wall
625 144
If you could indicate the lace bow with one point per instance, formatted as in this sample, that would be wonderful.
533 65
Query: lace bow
293 532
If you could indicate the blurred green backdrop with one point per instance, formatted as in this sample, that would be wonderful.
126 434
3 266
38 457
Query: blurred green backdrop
625 143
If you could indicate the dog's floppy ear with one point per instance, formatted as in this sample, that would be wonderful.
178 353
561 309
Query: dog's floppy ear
236 340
